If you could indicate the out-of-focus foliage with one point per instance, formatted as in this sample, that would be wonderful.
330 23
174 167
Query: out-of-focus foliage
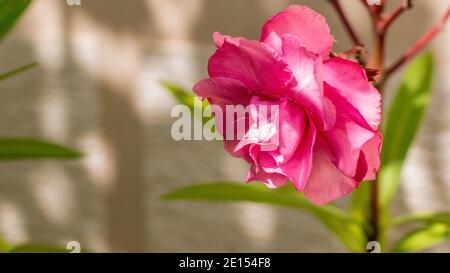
402 123
10 11
24 148
332 217
32 149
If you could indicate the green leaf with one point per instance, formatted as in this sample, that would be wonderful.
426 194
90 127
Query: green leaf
34 248
10 11
360 210
423 238
436 230
29 148
183 96
403 121
333 218
16 71
423 217
187 98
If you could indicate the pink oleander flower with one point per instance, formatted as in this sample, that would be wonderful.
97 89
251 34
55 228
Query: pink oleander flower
328 114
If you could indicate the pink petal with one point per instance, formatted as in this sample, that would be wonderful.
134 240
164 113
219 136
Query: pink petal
226 90
292 125
221 92
309 26
275 42
347 138
288 122
351 83
219 39
369 160
271 180
307 70
298 168
326 183
263 128
255 64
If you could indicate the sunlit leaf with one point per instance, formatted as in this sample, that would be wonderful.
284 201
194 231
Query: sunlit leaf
10 11
403 121
333 218
183 96
423 217
360 210
187 98
29 148
423 238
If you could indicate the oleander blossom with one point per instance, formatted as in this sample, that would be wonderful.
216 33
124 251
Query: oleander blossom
328 114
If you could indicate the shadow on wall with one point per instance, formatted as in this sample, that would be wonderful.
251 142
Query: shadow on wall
57 202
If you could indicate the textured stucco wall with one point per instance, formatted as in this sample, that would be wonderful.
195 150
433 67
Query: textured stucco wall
96 88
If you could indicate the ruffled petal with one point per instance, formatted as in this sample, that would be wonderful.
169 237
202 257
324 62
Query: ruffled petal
369 159
309 26
350 81
298 168
225 90
219 39
307 69
254 64
271 180
326 183
347 138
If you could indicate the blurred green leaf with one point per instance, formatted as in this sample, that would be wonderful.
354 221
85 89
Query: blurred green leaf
183 96
423 217
35 248
187 98
4 246
16 71
10 11
333 218
360 209
423 238
29 148
403 121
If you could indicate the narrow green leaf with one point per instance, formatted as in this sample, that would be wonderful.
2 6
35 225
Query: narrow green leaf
29 148
423 238
10 11
403 121
183 96
333 218
16 71
187 98
423 217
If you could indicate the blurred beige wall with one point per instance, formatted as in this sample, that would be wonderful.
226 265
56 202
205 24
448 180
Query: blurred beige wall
97 89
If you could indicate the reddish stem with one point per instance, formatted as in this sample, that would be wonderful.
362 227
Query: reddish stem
405 5
421 44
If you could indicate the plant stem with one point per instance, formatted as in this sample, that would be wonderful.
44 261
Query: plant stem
405 5
378 63
417 47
